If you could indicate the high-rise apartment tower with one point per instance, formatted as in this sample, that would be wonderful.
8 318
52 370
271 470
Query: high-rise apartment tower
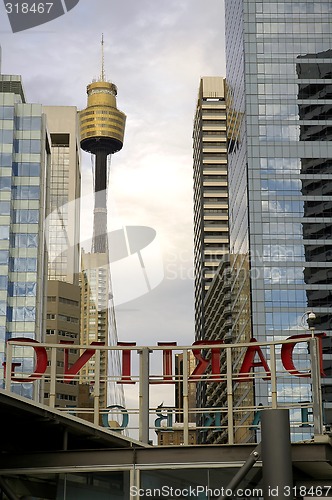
210 190
211 244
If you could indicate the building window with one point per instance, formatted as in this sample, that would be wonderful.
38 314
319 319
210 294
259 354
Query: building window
22 264
28 123
28 240
3 282
24 289
24 216
5 207
68 301
26 169
4 233
25 313
70 319
32 146
26 192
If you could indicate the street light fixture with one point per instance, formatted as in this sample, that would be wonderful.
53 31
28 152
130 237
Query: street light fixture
308 317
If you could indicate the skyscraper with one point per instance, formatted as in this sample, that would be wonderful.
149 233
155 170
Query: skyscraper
63 291
278 57
211 244
65 191
25 161
210 190
95 315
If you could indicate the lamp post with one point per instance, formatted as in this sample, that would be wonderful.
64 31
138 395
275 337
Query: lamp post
309 317
317 404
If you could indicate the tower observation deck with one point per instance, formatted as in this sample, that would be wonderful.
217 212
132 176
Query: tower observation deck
102 128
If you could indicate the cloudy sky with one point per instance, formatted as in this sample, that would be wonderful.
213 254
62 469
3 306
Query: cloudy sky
155 52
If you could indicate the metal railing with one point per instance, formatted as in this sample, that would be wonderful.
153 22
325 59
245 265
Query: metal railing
282 370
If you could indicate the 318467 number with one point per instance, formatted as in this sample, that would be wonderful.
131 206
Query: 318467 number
25 8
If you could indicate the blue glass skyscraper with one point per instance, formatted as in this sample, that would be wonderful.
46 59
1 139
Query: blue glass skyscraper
279 60
24 160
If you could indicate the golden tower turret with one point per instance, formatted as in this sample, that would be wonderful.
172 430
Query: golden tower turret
102 128
102 124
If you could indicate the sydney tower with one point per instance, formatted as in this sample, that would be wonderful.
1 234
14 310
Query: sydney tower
102 130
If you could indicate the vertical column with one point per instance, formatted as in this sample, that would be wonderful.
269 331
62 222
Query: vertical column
53 377
8 371
144 400
274 392
96 394
317 405
134 479
276 454
230 415
185 399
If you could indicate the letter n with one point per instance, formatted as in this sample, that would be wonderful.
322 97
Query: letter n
70 372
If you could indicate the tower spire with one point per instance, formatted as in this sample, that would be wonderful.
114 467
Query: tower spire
102 76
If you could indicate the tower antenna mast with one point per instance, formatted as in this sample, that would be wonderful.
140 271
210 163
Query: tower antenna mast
102 59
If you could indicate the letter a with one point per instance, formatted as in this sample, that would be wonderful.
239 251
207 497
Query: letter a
249 363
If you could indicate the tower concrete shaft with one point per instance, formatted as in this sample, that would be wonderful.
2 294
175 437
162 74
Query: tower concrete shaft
99 242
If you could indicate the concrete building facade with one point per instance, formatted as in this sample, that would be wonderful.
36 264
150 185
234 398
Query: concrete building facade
63 324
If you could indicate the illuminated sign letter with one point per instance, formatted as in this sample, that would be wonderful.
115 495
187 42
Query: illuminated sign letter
249 363
168 417
203 363
125 417
69 373
41 362
287 355
167 365
126 364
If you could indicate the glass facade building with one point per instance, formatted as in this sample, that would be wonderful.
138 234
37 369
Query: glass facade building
279 96
63 291
65 191
24 160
